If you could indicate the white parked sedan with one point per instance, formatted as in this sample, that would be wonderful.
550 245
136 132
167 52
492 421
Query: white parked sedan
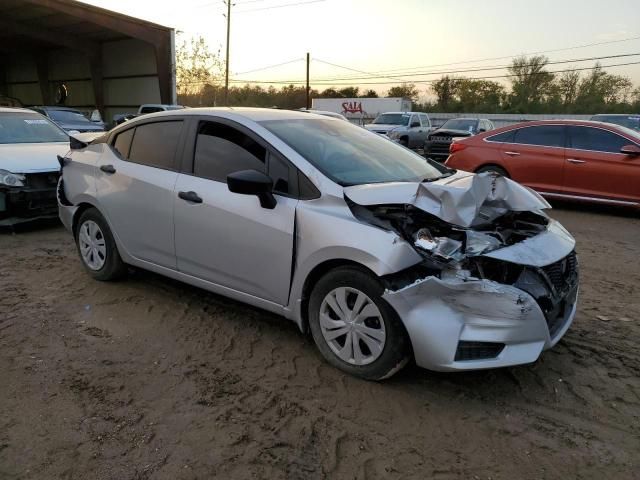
381 255
29 144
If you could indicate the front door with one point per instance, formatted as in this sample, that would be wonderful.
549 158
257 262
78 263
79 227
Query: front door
417 133
135 187
535 157
227 238
596 168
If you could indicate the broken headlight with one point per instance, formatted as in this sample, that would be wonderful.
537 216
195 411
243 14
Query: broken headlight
11 179
441 247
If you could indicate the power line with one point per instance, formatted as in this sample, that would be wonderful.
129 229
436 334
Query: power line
352 80
280 6
575 47
483 69
271 66
352 69
301 82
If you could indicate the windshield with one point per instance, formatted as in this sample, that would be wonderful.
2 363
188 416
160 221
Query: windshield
29 128
68 116
392 119
630 121
351 155
468 125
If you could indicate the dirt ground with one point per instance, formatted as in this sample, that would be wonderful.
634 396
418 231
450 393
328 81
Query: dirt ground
151 379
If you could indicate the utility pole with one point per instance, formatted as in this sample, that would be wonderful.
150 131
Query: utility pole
308 89
226 73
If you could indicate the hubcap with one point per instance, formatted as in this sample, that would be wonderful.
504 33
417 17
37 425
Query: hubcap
93 248
352 326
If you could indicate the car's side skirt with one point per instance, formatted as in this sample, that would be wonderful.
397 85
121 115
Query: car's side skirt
209 286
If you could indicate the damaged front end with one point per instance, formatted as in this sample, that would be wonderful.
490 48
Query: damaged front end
498 279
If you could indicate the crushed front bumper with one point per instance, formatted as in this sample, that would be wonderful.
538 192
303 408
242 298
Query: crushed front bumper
477 324
35 201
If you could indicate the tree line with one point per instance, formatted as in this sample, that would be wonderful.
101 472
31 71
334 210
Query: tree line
530 88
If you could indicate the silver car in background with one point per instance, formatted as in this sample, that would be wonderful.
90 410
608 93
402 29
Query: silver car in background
383 256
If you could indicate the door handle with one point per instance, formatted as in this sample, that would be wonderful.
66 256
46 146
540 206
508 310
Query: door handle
512 154
575 160
190 197
108 169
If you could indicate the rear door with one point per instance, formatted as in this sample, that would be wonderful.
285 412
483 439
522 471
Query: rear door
535 156
135 186
596 168
228 238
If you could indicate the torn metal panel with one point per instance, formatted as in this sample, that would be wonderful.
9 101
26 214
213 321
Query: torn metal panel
463 199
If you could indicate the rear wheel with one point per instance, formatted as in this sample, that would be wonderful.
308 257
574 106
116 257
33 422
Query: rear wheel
97 248
354 328
493 169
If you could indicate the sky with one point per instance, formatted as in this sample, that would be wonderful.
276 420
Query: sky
401 38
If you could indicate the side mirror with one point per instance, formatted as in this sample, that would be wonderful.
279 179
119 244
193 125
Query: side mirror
631 150
252 182
482 130
414 125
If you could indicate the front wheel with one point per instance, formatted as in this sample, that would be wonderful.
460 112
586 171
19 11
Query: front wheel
97 248
354 328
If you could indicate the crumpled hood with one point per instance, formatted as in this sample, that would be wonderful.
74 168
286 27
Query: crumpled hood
31 157
463 199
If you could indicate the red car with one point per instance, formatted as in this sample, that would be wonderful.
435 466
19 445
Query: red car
580 160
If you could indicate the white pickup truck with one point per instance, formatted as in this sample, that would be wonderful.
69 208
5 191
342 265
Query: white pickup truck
407 128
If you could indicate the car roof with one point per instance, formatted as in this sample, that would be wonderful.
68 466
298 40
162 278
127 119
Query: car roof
56 107
634 115
582 123
16 110
255 114
466 118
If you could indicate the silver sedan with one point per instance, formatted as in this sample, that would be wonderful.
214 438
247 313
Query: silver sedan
382 256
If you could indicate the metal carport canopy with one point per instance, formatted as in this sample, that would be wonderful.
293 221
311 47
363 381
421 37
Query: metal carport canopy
113 61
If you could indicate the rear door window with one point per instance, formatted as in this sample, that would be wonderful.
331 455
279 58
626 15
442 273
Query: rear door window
596 139
221 150
425 121
506 137
155 144
543 135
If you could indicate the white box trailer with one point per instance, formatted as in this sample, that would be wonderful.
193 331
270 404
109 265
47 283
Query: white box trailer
362 110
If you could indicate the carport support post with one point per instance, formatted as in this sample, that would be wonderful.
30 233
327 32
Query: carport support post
42 65
95 64
308 89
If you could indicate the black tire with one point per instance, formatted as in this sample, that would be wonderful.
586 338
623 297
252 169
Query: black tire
113 267
494 169
404 141
396 351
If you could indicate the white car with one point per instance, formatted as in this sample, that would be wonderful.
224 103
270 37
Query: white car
29 169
